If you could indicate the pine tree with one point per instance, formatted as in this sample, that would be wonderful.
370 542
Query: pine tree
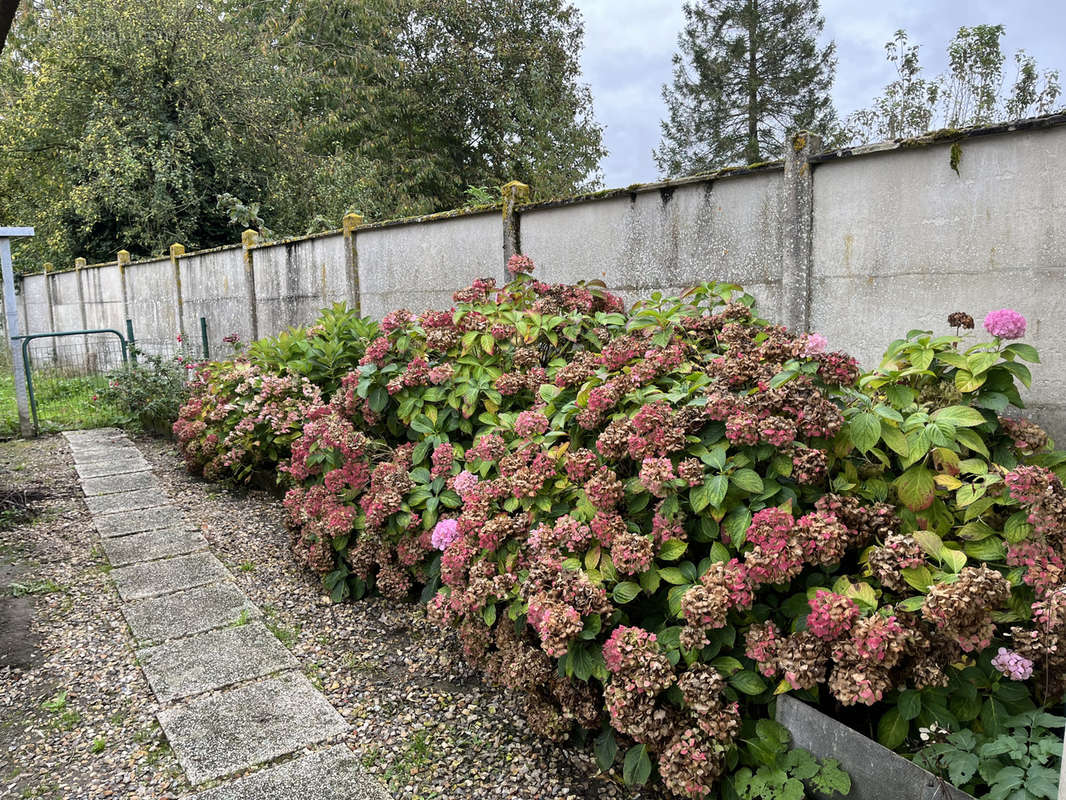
747 72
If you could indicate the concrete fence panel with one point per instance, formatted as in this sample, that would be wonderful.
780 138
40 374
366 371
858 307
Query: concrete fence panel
901 240
153 304
295 280
419 266
212 286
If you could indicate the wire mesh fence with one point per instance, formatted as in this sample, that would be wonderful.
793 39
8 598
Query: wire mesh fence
69 375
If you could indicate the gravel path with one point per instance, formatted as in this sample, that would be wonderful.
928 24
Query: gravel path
422 721
77 719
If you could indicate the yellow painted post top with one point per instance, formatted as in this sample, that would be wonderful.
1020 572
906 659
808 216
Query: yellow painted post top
351 222
123 257
250 238
519 190
177 250
48 266
79 263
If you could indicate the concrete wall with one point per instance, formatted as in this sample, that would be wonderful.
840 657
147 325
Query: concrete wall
860 245
672 238
901 241
213 286
297 279
420 266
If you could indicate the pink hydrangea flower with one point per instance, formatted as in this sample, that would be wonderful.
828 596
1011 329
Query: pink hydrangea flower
465 482
815 343
519 264
1005 323
1014 666
530 423
445 532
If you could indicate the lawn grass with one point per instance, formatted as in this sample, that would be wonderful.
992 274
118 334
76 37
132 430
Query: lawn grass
64 402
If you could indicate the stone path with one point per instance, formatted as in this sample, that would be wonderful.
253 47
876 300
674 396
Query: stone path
233 695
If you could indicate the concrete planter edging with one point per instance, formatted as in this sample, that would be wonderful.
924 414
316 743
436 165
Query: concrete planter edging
876 772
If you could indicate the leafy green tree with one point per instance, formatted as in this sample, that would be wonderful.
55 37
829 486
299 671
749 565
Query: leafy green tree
970 92
131 120
747 72
433 96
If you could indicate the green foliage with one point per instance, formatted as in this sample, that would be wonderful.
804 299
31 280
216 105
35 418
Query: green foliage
322 354
135 125
149 391
746 75
130 120
435 96
969 92
1021 762
776 772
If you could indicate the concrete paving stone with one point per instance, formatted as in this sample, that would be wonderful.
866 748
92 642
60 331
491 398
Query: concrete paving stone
331 774
187 612
167 575
150 545
127 501
143 519
115 467
219 734
111 484
112 452
95 436
212 660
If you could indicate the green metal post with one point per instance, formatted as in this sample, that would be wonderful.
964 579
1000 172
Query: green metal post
203 338
130 341
29 384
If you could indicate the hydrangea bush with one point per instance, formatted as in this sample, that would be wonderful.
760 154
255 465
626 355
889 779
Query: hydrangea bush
650 523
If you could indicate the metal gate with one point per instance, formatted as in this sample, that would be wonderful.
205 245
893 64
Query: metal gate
66 377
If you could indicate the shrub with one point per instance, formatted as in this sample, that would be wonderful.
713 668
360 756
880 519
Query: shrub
637 519
150 390
243 415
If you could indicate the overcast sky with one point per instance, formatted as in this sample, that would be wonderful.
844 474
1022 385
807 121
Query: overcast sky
629 44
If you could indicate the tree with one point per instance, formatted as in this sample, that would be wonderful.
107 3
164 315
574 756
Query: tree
434 96
131 119
747 73
970 92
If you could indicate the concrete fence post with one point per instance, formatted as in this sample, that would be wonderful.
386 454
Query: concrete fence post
351 259
514 193
79 266
123 264
176 252
250 239
797 217
50 299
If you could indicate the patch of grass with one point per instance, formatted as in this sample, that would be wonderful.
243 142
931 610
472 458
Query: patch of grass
242 619
56 702
45 586
286 635
372 758
64 717
65 401
246 566
99 745
415 756
314 674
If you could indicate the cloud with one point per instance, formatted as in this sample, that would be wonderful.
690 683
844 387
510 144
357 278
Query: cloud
629 45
